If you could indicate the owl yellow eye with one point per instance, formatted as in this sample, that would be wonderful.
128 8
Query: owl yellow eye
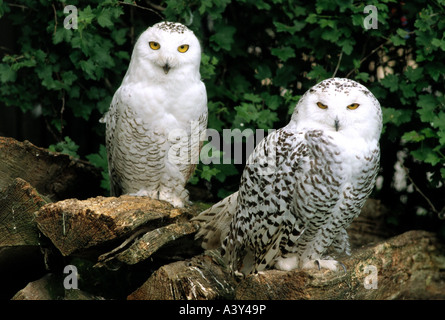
353 106
321 105
183 48
154 45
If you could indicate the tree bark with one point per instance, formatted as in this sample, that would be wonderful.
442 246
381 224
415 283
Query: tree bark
54 175
408 266
201 278
18 202
74 225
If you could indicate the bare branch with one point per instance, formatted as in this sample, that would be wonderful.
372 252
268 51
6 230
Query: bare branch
145 8
433 208
338 64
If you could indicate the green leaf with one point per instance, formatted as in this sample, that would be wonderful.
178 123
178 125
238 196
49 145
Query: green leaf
68 77
207 172
414 75
331 35
362 76
67 146
440 43
284 53
223 39
100 160
273 102
400 38
7 74
297 26
263 72
89 68
284 76
391 82
85 18
104 18
119 35
396 116
413 136
318 73
252 97
347 45
427 104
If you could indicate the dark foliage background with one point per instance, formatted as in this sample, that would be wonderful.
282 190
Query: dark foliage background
258 58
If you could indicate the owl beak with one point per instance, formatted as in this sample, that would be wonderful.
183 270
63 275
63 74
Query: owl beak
166 68
337 124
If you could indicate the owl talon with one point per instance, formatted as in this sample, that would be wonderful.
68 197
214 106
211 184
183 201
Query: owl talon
343 266
318 264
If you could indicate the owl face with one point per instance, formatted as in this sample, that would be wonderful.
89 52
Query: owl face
341 106
168 47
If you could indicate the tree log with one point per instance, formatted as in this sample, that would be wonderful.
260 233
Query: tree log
50 287
408 266
201 278
18 202
54 175
150 243
74 225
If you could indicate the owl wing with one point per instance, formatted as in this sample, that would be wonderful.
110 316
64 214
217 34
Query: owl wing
195 142
264 209
111 118
215 222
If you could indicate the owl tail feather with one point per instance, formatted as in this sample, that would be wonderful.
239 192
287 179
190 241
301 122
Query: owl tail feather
215 222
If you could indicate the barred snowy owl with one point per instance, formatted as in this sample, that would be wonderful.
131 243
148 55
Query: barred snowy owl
302 185
158 116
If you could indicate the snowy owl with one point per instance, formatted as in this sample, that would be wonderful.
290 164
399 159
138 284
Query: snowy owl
158 116
303 184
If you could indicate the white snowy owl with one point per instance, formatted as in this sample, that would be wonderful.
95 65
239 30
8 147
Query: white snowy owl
158 116
302 185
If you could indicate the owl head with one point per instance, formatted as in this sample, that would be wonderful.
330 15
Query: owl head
339 106
166 49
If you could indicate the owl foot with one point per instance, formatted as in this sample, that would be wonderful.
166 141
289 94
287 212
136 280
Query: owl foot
332 265
145 193
286 263
177 202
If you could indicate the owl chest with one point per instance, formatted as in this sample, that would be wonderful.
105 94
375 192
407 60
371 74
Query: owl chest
169 106
357 162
